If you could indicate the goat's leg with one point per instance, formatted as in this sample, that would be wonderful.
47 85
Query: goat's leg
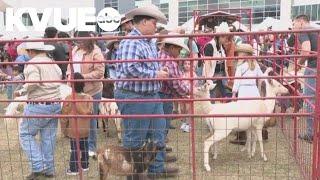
209 121
247 142
103 172
259 135
212 140
117 122
207 144
253 143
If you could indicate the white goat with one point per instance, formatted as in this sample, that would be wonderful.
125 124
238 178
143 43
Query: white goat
222 127
17 108
111 108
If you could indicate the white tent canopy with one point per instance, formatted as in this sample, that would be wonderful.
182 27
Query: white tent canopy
276 24
3 6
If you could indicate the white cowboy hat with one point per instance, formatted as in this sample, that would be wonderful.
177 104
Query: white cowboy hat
124 20
37 46
150 10
175 41
222 28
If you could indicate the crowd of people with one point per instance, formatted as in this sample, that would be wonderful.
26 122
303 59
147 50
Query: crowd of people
136 131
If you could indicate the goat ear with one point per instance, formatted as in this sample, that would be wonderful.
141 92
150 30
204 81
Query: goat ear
263 89
270 81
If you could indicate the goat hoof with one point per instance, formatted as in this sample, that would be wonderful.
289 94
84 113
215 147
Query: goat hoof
265 158
215 157
207 167
252 154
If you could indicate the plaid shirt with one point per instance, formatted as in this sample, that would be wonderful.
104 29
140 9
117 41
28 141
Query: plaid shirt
135 49
176 88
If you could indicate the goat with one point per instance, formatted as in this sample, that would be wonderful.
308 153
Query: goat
119 161
111 108
222 127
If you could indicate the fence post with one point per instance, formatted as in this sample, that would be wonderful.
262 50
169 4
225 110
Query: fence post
193 146
316 129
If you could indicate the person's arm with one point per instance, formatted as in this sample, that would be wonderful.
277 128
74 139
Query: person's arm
98 68
305 47
181 87
66 110
236 83
31 73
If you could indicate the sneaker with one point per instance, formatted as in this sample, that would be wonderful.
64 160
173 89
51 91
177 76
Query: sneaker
183 126
70 173
85 169
186 128
306 137
92 154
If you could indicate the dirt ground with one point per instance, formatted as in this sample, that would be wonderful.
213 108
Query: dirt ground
231 163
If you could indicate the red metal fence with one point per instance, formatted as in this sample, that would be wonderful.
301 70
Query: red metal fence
289 157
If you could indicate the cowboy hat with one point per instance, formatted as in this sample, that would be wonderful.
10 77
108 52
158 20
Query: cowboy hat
40 46
111 43
175 41
125 20
222 28
150 10
246 48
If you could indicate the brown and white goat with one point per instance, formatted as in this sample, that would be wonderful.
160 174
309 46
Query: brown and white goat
120 161
110 108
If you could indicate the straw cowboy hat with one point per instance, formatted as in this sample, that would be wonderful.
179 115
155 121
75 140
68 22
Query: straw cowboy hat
246 48
125 20
222 28
40 46
175 41
151 11
111 43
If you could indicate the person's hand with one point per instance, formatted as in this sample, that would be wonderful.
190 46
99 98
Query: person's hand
16 94
234 96
163 73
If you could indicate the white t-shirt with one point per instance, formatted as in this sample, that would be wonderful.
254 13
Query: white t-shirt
77 57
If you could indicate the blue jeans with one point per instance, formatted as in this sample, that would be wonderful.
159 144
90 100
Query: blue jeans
40 155
309 92
167 109
93 124
74 156
136 131
9 91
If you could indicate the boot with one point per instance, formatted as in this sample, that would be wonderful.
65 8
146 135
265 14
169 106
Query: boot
241 138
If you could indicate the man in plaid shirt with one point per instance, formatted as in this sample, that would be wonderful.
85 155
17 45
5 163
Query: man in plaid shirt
136 131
